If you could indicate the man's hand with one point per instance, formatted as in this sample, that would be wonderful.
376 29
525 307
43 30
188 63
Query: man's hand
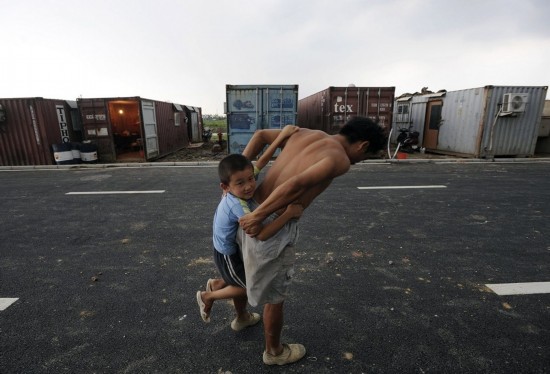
250 224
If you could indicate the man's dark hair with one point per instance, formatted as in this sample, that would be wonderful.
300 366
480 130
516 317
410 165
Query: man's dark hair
230 165
359 129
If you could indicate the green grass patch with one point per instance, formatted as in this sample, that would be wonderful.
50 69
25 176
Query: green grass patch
216 124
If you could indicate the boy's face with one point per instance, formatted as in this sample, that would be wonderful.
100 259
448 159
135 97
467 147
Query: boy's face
241 184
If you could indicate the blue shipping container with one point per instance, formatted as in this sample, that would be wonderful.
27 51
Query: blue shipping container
253 107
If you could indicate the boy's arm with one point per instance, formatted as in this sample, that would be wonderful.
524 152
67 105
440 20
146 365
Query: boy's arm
267 231
279 140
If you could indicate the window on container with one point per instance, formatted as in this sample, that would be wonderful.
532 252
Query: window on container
176 119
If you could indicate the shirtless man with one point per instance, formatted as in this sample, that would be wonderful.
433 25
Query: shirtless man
306 166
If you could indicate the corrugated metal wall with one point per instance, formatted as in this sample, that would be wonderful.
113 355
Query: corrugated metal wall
462 114
32 125
172 136
512 136
543 141
468 124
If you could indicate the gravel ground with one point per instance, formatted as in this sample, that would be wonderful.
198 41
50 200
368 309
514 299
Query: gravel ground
209 151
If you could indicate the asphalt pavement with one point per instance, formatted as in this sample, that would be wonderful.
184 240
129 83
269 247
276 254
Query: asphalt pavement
388 280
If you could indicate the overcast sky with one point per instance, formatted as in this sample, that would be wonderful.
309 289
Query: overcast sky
187 51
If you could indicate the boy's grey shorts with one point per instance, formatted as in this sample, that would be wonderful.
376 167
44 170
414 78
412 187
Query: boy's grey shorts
269 265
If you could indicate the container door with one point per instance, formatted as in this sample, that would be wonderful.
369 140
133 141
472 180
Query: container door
377 104
97 127
280 107
431 126
196 136
150 129
243 116
252 107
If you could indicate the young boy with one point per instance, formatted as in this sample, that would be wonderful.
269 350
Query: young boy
238 182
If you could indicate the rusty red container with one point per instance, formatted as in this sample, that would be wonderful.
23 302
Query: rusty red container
29 127
136 129
331 108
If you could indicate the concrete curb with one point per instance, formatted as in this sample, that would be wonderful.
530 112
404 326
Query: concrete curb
456 160
111 166
215 163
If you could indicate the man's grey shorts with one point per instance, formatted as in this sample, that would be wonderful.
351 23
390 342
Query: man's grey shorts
269 265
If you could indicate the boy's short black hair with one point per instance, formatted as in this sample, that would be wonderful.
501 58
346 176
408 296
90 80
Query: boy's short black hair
231 164
360 129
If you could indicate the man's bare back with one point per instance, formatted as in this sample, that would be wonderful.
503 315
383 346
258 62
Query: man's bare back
306 166
301 151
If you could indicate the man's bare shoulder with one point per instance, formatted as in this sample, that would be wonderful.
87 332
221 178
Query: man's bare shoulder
310 137
315 146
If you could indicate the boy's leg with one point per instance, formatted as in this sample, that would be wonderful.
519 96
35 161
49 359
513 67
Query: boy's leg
228 292
241 302
244 317
215 284
232 286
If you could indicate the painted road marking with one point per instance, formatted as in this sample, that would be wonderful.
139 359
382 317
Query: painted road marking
6 302
520 288
399 187
113 192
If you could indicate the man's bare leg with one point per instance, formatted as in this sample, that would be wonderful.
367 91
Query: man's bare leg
273 327
275 352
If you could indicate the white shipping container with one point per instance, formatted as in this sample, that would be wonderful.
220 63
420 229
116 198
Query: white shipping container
485 122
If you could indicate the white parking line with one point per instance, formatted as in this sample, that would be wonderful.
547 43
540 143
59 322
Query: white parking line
520 288
112 192
399 187
6 302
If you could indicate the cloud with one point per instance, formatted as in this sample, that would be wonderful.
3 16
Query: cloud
187 51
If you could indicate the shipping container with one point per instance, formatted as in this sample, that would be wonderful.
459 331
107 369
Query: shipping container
486 122
134 128
30 127
331 108
253 107
543 140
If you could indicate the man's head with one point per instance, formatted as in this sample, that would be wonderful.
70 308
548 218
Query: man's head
236 174
364 136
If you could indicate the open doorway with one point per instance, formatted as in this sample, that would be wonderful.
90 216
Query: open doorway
126 127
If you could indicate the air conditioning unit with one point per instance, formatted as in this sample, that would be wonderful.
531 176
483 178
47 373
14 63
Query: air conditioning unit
514 102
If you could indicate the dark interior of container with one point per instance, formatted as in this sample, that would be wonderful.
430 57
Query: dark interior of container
126 128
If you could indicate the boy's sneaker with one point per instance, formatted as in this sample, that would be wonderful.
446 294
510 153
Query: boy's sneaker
253 319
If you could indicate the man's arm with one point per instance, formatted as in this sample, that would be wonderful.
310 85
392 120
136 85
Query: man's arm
259 140
267 231
283 135
321 172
